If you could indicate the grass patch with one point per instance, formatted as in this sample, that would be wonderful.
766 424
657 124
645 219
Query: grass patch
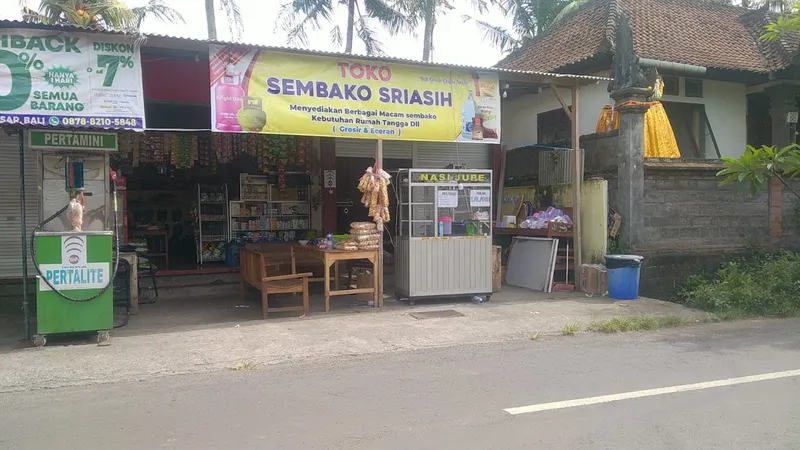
571 329
535 336
638 323
244 365
762 285
651 323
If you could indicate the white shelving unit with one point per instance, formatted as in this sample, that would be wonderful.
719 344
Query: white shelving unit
213 221
258 216
253 187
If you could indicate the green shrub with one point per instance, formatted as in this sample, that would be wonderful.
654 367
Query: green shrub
759 286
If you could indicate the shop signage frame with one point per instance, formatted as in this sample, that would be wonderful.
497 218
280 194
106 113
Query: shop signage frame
274 92
84 141
451 176
71 79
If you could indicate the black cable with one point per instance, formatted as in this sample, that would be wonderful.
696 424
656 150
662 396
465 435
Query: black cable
116 255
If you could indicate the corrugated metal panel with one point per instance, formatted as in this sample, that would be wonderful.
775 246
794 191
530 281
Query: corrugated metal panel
458 266
437 155
401 268
555 166
10 238
365 148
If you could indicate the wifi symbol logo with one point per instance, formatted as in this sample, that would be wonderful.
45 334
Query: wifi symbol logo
74 249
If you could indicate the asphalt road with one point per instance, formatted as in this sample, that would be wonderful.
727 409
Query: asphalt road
451 398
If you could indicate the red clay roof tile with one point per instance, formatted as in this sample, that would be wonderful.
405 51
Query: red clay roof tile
698 32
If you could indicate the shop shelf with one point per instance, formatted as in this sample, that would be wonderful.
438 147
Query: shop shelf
213 222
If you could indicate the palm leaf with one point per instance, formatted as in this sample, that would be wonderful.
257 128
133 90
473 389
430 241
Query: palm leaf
158 10
389 16
525 18
366 34
336 36
234 15
314 12
497 36
566 10
481 6
97 14
31 16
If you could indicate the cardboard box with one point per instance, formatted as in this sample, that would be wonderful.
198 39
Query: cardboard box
615 225
594 279
362 280
288 194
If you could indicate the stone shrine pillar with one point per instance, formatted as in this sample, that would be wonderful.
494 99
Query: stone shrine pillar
630 162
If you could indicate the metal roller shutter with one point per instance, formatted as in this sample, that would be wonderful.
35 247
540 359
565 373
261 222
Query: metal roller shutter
437 155
365 148
10 245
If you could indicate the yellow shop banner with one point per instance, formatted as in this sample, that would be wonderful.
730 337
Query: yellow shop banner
260 91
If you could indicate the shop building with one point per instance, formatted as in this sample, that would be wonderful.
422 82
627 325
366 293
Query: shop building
190 181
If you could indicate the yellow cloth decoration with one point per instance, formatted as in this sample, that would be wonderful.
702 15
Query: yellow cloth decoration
659 138
609 120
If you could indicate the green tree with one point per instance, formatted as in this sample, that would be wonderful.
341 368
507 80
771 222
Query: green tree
298 17
785 26
98 14
529 18
425 13
758 165
778 6
232 12
156 9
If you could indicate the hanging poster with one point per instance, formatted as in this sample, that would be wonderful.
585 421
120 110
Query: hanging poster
447 198
76 80
262 91
480 198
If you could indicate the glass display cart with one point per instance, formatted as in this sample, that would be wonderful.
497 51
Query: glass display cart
444 234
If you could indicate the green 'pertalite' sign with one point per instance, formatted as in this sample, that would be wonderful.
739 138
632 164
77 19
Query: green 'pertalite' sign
72 140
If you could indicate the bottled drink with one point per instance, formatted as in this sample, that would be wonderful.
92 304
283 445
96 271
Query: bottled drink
228 100
467 116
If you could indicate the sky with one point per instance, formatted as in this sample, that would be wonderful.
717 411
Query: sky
454 41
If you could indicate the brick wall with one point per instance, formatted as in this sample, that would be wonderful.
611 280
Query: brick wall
600 153
687 210
692 225
790 216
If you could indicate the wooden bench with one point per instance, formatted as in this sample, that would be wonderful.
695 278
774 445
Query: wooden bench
256 270
281 253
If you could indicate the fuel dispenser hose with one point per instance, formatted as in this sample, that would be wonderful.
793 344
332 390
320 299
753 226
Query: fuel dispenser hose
116 255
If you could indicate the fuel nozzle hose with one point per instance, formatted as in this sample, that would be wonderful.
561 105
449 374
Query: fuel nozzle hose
110 283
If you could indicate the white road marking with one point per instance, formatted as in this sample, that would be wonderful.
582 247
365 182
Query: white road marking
650 392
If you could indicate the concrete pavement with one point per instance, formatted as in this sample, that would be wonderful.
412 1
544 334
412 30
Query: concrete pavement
447 398
136 357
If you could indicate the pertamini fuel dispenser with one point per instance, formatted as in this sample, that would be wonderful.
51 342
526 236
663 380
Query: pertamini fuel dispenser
76 268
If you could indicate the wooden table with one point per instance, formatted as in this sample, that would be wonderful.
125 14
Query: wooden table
333 258
133 278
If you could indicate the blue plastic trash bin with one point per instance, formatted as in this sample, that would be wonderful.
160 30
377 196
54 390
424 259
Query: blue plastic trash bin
623 276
